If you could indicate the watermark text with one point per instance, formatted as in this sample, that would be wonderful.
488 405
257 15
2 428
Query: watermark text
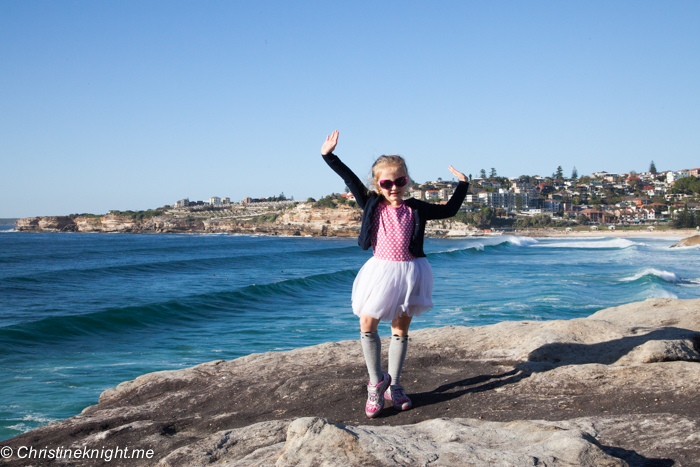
106 454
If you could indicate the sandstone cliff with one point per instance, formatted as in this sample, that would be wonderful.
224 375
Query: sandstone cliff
109 224
300 220
46 224
616 388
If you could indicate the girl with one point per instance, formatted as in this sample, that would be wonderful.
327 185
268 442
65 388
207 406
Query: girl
396 284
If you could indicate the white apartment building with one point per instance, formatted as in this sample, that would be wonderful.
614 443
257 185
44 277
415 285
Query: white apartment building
214 201
504 199
445 193
183 203
418 194
678 174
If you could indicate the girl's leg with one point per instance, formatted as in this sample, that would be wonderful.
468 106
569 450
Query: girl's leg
371 347
378 380
399 326
369 324
398 347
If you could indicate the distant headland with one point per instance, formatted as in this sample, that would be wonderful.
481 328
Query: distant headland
612 203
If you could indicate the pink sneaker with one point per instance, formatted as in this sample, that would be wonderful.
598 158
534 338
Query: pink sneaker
375 396
397 395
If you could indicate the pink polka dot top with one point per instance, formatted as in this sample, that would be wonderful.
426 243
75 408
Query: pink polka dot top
391 232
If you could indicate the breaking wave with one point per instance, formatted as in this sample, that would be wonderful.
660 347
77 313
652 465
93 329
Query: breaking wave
659 275
664 275
485 243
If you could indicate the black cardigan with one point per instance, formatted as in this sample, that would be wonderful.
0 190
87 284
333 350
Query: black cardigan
422 211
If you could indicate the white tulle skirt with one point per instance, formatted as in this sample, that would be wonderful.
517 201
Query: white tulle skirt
389 289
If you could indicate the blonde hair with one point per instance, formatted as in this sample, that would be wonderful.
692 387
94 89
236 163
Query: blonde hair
393 160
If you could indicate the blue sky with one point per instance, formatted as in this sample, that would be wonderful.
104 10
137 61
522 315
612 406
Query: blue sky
133 105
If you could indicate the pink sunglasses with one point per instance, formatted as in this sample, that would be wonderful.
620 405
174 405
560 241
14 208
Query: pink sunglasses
388 184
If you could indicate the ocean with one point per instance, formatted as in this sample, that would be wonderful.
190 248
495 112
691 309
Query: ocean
80 313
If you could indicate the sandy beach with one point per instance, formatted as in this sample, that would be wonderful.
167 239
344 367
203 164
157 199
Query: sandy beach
669 233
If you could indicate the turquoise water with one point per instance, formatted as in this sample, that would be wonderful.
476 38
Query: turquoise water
80 313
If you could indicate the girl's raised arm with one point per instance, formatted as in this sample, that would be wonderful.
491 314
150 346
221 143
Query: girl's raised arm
460 176
351 180
330 143
443 211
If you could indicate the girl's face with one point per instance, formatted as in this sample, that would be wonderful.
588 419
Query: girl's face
393 194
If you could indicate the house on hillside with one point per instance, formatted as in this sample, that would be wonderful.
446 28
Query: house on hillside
601 217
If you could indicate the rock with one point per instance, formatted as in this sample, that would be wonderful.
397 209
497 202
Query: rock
445 442
622 381
46 224
251 445
302 220
690 241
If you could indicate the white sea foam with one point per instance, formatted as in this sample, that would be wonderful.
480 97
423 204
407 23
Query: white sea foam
665 275
685 248
520 241
40 418
21 427
619 243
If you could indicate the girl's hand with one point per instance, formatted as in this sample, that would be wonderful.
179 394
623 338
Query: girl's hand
460 176
330 143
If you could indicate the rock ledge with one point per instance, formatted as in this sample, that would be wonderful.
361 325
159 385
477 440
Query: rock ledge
616 388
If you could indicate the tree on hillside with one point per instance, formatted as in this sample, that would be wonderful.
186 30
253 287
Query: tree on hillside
634 184
652 167
574 174
493 173
687 185
483 173
483 217
583 219
684 219
559 174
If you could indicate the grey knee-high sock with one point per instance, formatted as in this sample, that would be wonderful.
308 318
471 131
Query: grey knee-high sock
397 355
372 348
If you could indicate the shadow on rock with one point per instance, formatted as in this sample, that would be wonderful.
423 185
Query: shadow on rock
661 345
636 460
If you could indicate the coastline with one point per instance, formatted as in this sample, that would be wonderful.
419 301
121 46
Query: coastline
304 223
614 388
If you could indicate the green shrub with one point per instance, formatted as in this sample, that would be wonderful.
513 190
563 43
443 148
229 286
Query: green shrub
326 202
